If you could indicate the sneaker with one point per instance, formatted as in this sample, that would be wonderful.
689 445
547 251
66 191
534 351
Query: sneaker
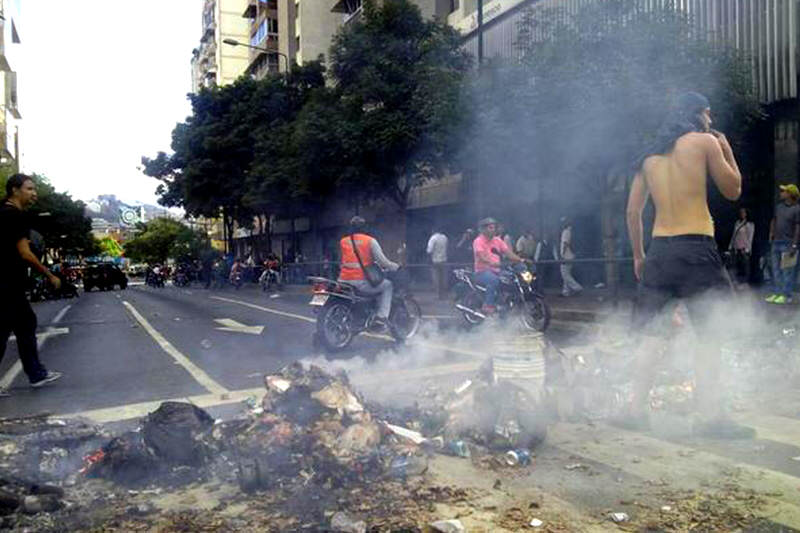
4 392
631 422
379 325
771 298
779 299
50 377
722 428
488 310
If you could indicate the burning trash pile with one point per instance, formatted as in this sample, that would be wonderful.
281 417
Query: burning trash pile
39 456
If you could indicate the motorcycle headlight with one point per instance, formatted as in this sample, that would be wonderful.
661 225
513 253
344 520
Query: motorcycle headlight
527 277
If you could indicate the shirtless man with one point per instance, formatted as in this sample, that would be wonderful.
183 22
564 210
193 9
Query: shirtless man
682 260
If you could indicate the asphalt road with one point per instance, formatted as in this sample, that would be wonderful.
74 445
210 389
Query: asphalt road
124 352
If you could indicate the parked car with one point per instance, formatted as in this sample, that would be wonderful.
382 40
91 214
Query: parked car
104 276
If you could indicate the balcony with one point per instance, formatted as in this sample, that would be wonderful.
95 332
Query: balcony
351 9
251 10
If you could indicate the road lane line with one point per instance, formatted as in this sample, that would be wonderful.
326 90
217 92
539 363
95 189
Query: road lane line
265 309
12 373
137 410
197 373
425 344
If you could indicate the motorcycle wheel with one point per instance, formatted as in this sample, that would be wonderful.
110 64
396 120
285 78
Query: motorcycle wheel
474 301
404 318
334 326
536 315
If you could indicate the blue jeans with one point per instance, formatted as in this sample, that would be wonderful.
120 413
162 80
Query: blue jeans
491 282
782 279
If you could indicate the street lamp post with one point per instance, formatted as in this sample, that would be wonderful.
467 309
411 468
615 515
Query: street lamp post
234 42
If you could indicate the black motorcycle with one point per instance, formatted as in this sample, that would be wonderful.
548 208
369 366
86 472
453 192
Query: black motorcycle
517 295
343 313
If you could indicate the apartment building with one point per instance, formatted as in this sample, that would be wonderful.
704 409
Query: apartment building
213 62
10 116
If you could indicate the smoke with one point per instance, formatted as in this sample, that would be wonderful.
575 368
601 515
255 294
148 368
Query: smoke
435 361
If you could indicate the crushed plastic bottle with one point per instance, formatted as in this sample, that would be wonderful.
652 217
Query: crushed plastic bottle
408 465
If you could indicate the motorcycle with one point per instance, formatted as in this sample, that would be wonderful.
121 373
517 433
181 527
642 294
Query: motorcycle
154 279
270 277
236 280
343 312
518 294
181 279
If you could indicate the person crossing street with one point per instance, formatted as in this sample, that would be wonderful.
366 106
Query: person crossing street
16 314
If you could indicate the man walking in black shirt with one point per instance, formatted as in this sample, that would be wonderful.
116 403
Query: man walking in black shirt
16 314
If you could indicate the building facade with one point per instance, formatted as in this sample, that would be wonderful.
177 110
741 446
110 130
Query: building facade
10 116
213 62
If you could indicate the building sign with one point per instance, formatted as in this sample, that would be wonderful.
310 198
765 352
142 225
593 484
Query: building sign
129 216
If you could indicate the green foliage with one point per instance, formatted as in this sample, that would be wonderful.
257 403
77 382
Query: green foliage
109 247
398 79
164 238
64 226
591 89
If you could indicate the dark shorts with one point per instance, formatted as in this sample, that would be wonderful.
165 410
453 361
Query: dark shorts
686 267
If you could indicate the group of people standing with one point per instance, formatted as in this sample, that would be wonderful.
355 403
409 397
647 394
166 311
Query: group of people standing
527 246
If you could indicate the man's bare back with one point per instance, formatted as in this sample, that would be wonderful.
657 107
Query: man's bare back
677 182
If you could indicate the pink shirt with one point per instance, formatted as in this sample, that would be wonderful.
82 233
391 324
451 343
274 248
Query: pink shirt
485 259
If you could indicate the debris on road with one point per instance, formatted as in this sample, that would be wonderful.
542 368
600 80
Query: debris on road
448 526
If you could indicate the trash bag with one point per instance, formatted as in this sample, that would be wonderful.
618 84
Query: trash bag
173 431
125 459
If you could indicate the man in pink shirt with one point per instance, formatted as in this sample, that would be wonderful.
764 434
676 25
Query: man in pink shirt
489 250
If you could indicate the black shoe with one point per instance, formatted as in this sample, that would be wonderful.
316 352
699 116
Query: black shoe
722 428
631 422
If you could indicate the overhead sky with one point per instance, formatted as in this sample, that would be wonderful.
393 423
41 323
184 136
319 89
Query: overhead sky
102 83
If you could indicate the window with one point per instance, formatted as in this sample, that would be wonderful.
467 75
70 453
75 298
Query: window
267 29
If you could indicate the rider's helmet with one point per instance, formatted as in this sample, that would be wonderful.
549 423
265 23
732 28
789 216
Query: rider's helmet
357 223
488 221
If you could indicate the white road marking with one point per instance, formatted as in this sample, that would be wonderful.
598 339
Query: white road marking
265 309
137 410
370 335
196 372
41 338
238 327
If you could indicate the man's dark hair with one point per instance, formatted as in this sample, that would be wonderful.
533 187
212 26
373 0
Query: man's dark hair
682 118
15 181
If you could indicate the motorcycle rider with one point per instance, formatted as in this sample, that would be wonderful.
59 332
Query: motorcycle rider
272 267
370 252
486 247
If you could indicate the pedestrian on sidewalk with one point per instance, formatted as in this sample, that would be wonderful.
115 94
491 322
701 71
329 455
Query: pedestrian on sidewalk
741 245
463 250
437 250
682 261
784 236
526 245
569 285
16 314
505 236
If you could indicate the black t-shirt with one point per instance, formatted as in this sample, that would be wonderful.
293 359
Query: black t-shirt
14 226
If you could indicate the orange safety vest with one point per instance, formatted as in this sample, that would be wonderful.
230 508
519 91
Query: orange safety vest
351 270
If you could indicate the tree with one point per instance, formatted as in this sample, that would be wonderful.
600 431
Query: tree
162 239
586 95
61 221
398 78
591 88
214 150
